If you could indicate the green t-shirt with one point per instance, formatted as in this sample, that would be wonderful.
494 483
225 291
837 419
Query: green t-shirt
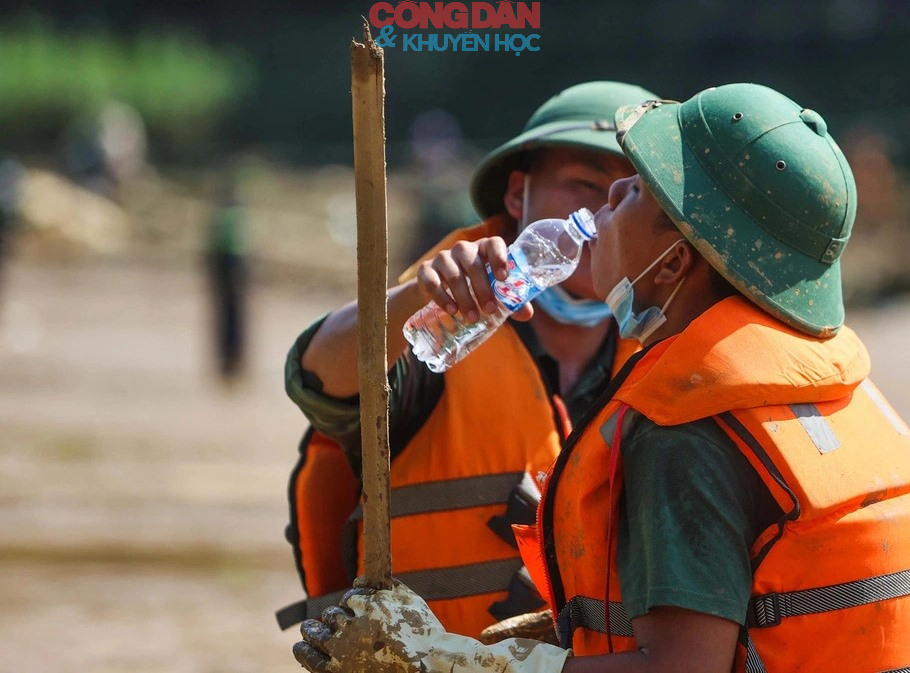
691 508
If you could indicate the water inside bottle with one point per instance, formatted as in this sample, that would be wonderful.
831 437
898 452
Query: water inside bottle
440 339
545 276
542 256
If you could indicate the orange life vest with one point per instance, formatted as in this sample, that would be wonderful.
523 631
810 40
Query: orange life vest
323 493
454 495
831 580
451 482
455 492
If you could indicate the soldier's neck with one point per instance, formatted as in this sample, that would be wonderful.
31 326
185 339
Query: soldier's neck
573 347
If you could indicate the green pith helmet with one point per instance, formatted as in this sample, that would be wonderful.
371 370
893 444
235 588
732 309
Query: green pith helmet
580 116
757 185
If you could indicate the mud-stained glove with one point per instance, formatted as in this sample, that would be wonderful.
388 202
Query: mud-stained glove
395 631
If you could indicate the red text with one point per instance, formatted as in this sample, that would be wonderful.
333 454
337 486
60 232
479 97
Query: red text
409 14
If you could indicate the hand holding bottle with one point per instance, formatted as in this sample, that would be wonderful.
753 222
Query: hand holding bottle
457 280
475 287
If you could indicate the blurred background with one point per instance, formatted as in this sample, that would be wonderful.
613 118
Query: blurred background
176 205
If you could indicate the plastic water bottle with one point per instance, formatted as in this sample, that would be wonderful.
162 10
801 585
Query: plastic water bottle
544 254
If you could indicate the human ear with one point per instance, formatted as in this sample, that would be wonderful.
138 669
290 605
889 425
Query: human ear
514 196
676 264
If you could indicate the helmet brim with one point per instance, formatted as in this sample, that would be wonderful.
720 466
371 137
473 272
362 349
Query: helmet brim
798 290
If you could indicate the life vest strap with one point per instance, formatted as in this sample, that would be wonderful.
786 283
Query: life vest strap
310 608
589 613
754 664
769 609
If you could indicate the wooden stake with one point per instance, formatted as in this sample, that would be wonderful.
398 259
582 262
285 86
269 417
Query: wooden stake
368 94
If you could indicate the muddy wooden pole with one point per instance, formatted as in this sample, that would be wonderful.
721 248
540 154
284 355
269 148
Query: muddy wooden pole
368 98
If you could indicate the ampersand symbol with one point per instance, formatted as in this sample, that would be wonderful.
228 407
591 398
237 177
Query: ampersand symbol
386 39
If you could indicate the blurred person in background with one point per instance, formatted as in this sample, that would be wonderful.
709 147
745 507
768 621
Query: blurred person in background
227 248
104 151
743 488
466 444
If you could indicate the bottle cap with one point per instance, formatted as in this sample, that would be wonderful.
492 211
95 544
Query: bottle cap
584 220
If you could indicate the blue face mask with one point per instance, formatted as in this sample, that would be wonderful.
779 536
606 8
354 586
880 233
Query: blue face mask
639 325
568 310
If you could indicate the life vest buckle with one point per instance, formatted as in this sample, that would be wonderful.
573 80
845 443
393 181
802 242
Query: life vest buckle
521 509
764 611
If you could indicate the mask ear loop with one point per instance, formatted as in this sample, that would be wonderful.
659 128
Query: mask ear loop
659 257
663 309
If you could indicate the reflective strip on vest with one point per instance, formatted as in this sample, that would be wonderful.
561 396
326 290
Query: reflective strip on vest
458 581
608 427
522 598
816 426
449 494
453 582
588 613
520 509
769 609
431 585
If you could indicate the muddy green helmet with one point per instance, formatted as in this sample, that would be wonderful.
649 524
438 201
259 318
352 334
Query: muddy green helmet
580 116
761 190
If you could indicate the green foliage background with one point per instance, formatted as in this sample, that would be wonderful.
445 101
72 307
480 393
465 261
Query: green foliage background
181 86
213 76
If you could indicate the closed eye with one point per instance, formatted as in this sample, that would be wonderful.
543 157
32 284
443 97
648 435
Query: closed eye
587 184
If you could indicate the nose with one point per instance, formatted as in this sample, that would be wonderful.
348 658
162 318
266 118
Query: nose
618 190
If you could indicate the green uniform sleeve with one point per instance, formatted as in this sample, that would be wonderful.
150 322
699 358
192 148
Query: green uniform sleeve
334 417
691 508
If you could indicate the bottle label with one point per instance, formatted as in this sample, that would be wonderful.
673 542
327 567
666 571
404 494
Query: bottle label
515 290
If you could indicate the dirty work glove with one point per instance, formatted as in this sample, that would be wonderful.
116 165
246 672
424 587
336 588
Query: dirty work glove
395 631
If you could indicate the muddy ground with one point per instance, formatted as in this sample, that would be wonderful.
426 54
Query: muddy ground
142 504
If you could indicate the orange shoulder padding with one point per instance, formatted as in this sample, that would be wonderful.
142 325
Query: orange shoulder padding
325 494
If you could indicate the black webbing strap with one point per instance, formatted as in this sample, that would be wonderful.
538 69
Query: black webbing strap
588 613
310 608
769 609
